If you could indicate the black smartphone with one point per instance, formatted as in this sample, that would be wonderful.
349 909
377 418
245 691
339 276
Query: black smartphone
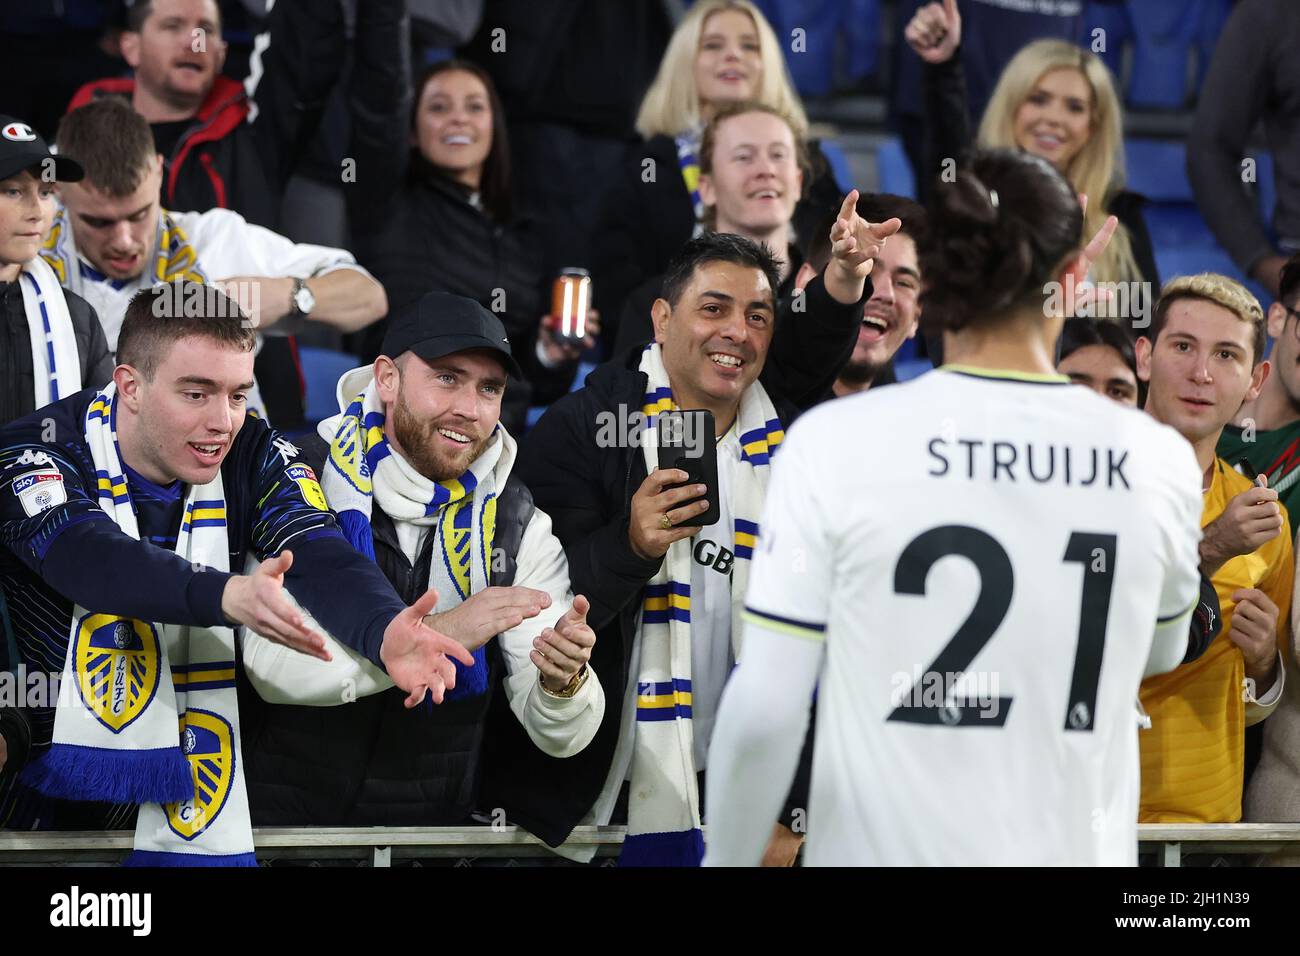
687 441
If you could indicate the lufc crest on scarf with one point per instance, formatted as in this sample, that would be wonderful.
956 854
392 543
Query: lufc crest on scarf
455 525
457 536
305 478
117 666
208 742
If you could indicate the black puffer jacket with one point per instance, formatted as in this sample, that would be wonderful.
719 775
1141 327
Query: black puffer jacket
587 491
373 762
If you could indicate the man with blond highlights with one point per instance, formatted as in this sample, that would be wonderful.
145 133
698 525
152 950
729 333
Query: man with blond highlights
1203 357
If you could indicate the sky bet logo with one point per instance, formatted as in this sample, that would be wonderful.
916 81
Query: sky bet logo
134 910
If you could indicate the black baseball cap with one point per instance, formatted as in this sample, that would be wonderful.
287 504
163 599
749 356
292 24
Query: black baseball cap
441 324
21 148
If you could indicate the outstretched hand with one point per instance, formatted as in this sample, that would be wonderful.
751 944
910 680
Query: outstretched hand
855 243
258 601
416 656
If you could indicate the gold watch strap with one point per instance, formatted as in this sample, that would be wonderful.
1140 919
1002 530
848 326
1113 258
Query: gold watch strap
568 690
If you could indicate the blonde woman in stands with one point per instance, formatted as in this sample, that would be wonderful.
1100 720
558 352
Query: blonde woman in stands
723 52
1054 99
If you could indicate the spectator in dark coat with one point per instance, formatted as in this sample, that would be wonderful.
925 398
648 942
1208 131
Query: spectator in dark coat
1254 75
1054 99
431 211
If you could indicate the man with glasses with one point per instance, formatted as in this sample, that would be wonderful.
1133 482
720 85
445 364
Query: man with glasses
1264 438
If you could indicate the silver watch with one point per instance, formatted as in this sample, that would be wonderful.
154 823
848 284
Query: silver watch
302 298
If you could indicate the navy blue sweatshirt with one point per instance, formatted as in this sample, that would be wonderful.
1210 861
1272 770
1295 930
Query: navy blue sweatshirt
60 547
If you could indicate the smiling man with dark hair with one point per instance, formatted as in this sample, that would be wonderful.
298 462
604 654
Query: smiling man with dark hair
664 594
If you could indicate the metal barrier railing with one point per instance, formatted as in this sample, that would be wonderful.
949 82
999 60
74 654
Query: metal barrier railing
382 845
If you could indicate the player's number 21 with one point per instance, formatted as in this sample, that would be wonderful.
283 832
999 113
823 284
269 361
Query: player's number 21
1096 552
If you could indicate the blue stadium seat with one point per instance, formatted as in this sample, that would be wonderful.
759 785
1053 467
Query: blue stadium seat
894 170
839 164
824 24
1112 18
1157 168
1162 39
322 369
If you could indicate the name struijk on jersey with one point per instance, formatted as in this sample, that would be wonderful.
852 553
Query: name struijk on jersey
1043 463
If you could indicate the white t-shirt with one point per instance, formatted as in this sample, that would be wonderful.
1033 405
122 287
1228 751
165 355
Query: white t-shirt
712 555
226 245
986 558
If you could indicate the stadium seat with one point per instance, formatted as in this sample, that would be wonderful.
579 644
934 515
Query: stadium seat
894 170
321 370
1162 39
1112 18
841 41
1157 168
839 164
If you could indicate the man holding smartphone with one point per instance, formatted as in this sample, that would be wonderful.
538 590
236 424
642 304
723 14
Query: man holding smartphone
662 606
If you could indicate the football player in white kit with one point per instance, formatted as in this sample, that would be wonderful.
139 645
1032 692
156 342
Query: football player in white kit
973 570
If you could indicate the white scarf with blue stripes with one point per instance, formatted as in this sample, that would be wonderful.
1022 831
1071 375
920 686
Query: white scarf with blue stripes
55 365
664 800
148 713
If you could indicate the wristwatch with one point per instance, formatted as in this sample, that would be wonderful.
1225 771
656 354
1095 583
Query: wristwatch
302 298
568 690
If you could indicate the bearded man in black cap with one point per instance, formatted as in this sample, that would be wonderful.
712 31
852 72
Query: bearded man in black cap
51 342
418 468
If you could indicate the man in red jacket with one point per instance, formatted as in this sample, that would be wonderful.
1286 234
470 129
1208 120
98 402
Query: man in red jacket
222 148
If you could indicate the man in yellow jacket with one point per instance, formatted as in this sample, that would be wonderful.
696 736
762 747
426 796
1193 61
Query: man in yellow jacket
1203 356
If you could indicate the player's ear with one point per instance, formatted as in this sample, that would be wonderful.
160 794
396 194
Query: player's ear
388 378
1276 318
1257 379
1142 349
708 195
128 380
129 46
660 313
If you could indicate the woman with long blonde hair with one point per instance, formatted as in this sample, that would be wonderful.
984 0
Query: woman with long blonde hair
723 52
1056 100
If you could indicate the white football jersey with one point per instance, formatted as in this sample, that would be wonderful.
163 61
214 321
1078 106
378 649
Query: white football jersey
987 557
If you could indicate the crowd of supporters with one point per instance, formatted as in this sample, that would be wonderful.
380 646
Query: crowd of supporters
404 181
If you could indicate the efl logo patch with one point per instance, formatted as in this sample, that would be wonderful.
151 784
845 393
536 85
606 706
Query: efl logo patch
306 481
208 742
117 668
18 133
39 491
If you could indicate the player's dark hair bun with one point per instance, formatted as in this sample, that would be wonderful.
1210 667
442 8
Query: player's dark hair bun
998 232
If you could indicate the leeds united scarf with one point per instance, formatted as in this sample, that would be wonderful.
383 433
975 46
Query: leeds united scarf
173 256
55 364
153 718
362 469
688 148
664 799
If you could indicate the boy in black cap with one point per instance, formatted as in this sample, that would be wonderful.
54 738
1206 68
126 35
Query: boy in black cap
51 342
419 469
